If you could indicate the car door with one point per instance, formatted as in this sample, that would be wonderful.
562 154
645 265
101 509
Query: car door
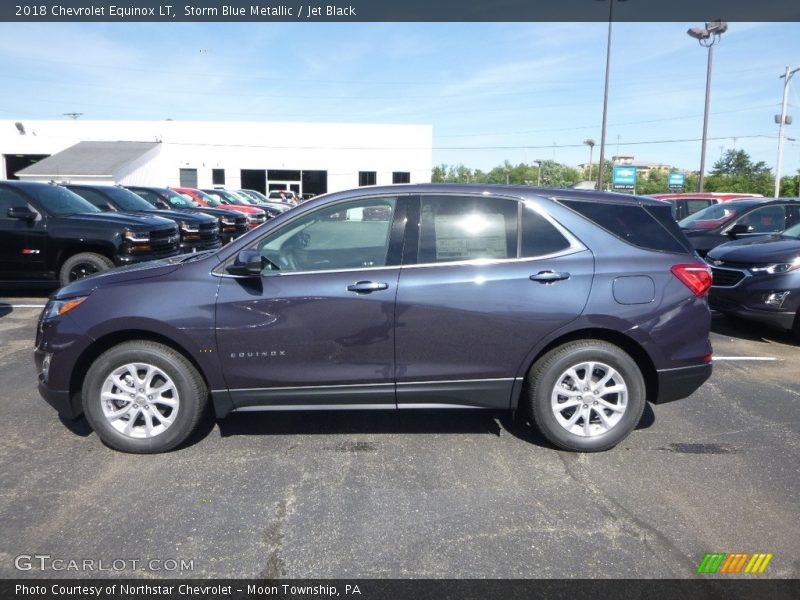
768 219
480 297
22 242
317 327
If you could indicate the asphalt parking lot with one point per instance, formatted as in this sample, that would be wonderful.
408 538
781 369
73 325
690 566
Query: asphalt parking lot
428 494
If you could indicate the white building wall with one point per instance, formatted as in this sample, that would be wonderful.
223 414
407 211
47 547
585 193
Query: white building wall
340 149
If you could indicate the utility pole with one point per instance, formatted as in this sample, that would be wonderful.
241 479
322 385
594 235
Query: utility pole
782 120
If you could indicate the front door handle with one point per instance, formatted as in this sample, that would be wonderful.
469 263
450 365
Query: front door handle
549 276
366 287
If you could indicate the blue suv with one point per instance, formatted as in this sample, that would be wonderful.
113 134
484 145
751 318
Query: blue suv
574 307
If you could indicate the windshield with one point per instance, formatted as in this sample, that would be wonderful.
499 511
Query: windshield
212 201
713 216
127 200
179 200
60 202
228 198
256 195
792 232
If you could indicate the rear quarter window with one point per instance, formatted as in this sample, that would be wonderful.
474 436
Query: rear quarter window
650 227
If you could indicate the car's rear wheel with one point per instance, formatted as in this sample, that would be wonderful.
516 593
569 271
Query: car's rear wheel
586 395
82 265
143 397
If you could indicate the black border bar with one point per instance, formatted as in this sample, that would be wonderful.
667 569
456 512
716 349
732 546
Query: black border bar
699 588
396 10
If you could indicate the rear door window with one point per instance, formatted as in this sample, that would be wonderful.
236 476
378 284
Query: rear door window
458 228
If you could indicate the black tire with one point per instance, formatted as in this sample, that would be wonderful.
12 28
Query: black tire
191 391
87 263
546 373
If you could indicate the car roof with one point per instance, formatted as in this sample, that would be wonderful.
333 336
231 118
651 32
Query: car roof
704 195
518 191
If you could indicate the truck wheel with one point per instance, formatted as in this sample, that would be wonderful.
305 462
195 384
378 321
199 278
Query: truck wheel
586 395
82 265
143 397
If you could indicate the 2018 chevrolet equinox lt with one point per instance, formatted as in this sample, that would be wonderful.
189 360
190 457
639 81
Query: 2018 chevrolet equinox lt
576 307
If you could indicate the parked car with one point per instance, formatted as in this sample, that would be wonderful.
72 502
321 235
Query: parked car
736 219
575 308
230 198
255 216
231 225
258 199
197 231
688 203
51 235
759 279
284 196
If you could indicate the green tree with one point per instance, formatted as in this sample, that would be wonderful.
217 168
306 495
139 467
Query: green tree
736 172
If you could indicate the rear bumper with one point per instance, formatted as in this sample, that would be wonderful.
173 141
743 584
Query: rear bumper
676 384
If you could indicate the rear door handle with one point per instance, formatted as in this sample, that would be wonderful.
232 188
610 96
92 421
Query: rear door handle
366 287
549 276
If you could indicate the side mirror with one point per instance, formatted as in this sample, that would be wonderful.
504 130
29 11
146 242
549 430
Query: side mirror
21 213
248 263
738 229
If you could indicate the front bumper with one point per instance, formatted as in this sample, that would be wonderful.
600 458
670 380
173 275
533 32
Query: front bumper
746 299
190 247
66 404
676 384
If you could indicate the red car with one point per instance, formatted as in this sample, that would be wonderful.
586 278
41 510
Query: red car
255 216
688 203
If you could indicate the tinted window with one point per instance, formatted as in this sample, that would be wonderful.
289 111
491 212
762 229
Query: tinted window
693 206
467 227
401 177
766 219
10 199
366 178
61 202
188 178
630 223
352 235
96 198
149 196
126 199
714 216
539 236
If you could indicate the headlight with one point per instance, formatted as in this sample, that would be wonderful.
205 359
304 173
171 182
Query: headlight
186 228
777 268
138 238
57 308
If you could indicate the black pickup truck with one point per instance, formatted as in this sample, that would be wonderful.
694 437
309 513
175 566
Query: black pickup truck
198 232
231 223
51 235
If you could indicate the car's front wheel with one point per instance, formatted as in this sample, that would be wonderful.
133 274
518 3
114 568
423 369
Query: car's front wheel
143 397
586 395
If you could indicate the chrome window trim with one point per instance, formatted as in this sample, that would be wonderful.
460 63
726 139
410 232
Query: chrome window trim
575 245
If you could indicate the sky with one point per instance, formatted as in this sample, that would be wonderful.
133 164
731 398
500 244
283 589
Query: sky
491 91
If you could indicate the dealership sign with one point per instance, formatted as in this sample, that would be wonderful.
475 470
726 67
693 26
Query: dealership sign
676 180
623 178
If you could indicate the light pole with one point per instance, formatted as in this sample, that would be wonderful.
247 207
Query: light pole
707 36
590 142
538 163
782 120
605 96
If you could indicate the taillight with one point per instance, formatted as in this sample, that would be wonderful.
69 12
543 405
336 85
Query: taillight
695 276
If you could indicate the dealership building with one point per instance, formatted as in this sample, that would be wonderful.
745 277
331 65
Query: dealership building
309 158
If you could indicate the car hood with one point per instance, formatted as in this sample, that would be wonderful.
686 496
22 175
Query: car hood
196 218
760 250
136 222
155 268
